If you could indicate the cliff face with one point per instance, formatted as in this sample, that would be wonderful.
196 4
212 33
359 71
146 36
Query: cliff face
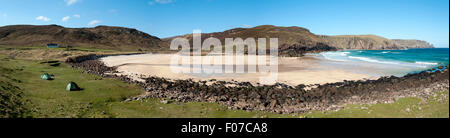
102 37
413 43
372 42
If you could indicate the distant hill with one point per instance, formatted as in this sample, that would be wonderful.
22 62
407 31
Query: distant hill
413 43
101 37
372 42
293 41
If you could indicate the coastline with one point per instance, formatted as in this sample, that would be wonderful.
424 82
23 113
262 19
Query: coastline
387 62
309 69
281 98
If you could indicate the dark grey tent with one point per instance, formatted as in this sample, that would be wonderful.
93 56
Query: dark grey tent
72 86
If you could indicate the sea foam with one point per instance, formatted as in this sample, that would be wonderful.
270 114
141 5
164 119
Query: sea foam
344 56
426 63
372 60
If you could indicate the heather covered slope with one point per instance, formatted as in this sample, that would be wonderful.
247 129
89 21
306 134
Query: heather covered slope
101 37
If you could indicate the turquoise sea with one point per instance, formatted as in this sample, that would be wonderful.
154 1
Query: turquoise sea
389 62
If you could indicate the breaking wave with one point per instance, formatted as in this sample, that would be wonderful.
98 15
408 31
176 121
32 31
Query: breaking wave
373 60
426 63
386 57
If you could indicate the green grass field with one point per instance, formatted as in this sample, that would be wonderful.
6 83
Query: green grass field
102 98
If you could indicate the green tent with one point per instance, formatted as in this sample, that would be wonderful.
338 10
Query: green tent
46 77
72 86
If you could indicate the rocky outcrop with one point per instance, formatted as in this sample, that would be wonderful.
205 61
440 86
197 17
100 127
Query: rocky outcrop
298 51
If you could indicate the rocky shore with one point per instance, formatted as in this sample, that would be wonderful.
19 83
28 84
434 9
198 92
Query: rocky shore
280 98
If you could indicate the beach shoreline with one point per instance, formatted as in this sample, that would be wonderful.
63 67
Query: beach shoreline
292 71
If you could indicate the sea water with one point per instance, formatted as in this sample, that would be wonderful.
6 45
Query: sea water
387 62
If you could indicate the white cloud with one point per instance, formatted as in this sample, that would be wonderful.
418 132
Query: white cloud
65 19
94 22
42 18
160 2
71 2
77 16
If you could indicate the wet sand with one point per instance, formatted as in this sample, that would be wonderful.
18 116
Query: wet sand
292 71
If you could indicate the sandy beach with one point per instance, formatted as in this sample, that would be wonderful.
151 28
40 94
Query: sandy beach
292 71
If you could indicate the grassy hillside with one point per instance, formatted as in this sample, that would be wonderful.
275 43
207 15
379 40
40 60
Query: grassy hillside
12 103
100 97
103 97
100 37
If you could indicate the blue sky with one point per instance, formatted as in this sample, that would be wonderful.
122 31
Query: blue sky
406 19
